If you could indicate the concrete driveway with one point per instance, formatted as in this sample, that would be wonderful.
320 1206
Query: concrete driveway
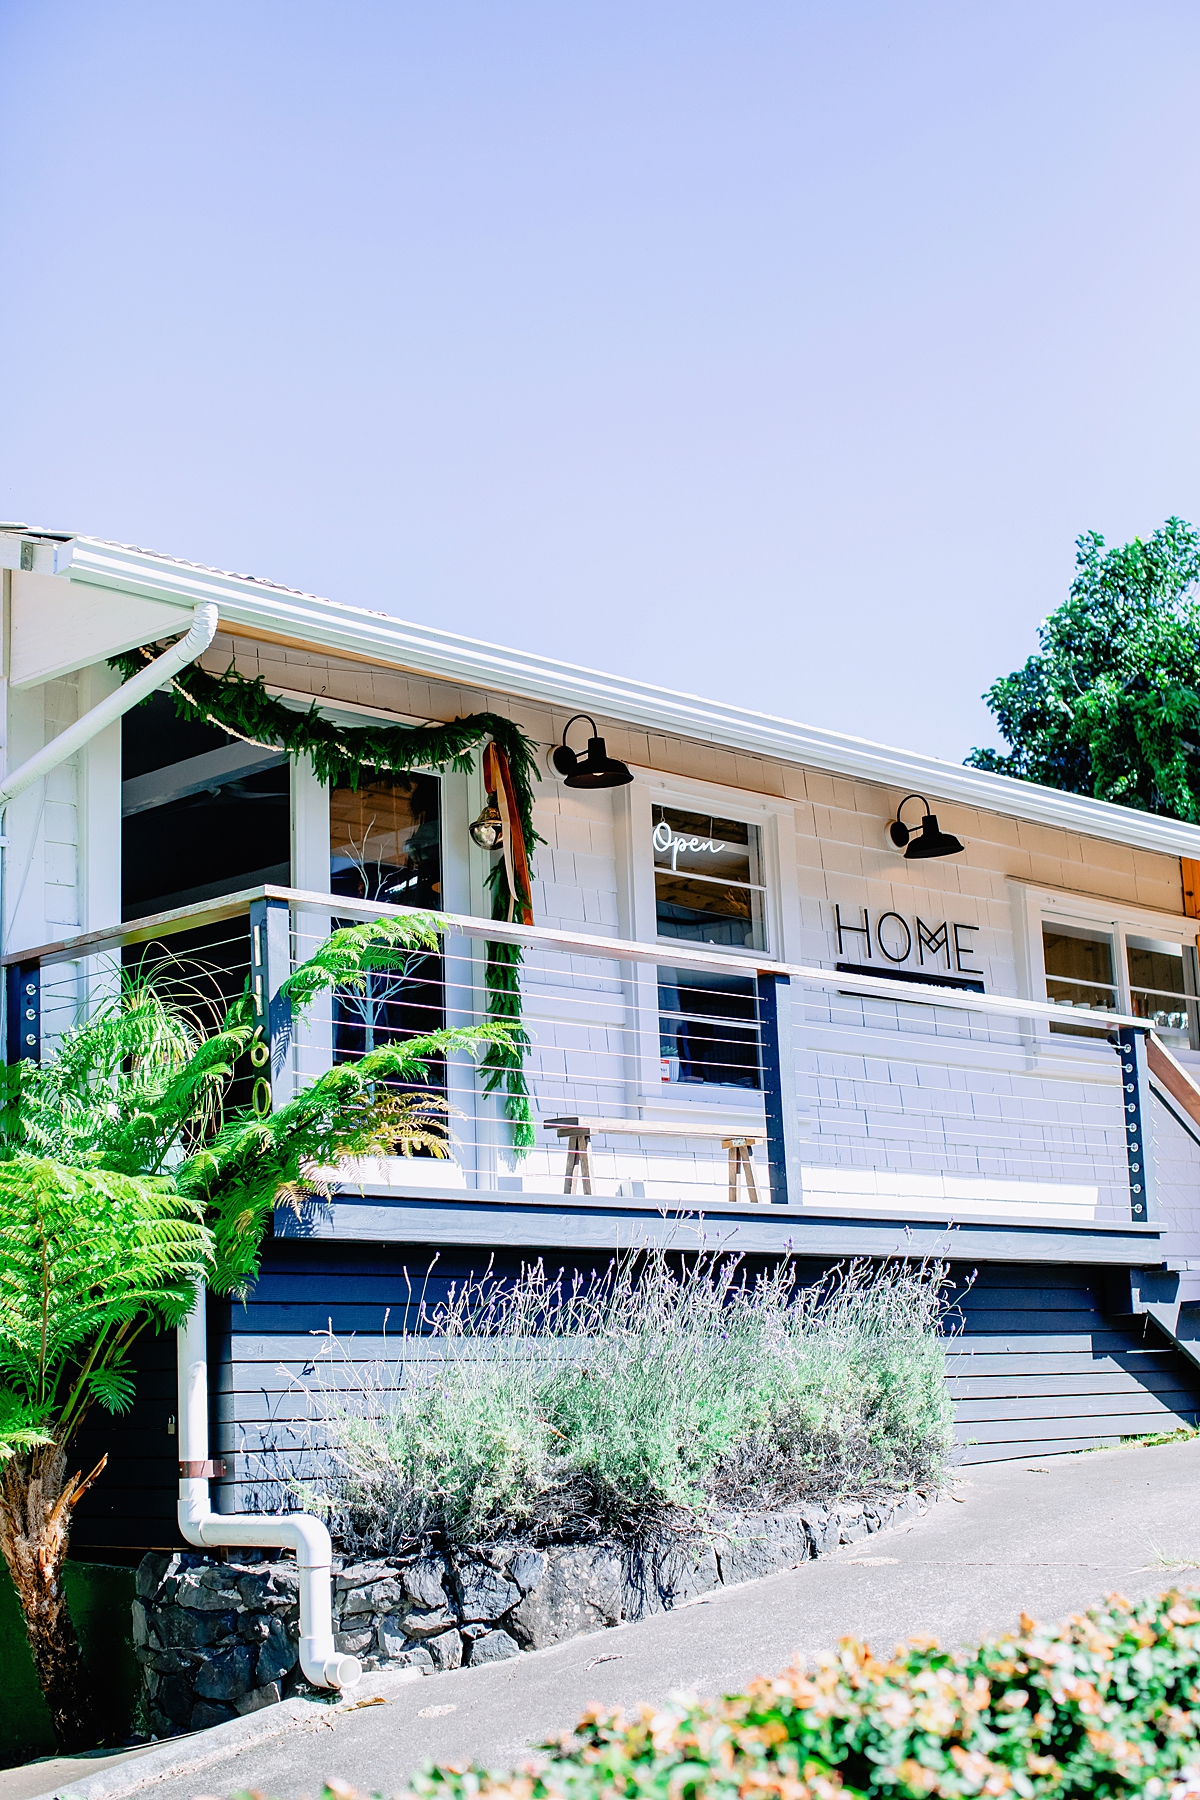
1048 1537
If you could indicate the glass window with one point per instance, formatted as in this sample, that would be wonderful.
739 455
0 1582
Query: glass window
1158 989
385 839
708 1028
1079 972
708 885
385 845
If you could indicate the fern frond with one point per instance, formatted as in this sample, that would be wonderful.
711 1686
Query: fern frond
113 1388
22 1426
350 1111
352 953
83 1253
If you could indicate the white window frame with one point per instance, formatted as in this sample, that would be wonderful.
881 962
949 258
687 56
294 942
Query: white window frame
1034 907
638 915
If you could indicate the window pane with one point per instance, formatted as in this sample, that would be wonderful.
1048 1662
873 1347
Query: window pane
1158 990
385 839
707 880
708 1028
385 846
699 844
1079 972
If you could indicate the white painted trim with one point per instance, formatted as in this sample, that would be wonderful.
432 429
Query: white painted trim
99 836
776 820
310 827
1089 907
312 1036
258 606
1033 904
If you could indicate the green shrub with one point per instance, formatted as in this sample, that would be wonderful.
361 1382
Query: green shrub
668 1388
1106 1705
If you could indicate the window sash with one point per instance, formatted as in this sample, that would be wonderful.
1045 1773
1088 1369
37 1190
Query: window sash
1125 993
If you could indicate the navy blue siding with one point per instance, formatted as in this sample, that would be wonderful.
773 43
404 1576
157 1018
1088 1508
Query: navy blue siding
1036 1366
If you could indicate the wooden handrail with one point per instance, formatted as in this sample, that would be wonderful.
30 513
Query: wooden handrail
1174 1077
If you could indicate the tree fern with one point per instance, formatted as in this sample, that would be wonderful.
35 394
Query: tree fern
125 1180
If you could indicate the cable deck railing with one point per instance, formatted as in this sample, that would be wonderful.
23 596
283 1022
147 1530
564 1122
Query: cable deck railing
681 1075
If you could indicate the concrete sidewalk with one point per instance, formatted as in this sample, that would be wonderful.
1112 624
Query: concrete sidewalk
1050 1538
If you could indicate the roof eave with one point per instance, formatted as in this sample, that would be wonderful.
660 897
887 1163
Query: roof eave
334 627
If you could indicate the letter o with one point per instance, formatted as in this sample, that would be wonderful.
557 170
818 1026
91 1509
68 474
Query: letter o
907 950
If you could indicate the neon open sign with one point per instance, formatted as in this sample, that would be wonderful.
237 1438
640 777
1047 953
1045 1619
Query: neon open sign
668 841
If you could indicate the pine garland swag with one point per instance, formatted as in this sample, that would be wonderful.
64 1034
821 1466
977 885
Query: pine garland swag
242 707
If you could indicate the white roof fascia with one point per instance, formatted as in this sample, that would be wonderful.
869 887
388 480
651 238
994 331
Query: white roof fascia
334 627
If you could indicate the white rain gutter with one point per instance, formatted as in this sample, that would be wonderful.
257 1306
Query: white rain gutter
323 1664
200 635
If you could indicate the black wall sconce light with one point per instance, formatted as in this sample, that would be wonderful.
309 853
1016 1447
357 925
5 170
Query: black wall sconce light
929 840
595 768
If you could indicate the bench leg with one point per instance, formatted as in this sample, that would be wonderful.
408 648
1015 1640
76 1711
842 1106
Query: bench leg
740 1163
578 1158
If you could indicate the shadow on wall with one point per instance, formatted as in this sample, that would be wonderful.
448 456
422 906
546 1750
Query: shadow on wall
100 1597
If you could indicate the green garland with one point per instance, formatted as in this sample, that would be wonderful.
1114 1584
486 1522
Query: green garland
339 754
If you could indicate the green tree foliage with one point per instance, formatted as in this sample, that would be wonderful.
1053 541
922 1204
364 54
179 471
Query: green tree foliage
1110 706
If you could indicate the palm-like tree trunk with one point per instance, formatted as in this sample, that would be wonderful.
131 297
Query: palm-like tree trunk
37 1500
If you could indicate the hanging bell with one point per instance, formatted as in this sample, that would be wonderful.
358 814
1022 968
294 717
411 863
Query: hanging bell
488 828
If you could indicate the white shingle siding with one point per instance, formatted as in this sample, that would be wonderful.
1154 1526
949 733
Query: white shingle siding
882 1086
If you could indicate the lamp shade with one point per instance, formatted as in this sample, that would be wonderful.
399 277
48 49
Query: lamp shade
929 840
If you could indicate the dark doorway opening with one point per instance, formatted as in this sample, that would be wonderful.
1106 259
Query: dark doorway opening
203 814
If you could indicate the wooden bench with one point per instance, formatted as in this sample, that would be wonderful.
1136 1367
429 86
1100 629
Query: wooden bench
578 1135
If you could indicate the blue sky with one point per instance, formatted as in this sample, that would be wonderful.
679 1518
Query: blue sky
773 351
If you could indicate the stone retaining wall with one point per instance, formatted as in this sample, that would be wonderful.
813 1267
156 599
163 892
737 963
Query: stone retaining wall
218 1638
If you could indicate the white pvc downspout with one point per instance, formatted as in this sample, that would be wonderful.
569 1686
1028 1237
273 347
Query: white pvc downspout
199 636
323 1664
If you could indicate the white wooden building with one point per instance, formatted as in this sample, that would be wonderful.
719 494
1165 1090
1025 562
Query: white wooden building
962 1038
